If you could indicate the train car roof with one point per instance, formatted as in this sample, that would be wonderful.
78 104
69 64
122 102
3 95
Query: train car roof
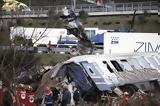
77 59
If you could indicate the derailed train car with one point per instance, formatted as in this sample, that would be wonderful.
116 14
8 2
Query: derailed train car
96 75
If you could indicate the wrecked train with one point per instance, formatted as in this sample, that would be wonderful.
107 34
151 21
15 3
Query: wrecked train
96 75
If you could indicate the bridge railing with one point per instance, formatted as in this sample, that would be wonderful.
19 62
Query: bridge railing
43 11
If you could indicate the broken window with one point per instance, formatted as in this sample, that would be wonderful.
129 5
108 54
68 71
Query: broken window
95 73
108 67
90 68
126 65
158 59
134 63
153 62
117 66
143 62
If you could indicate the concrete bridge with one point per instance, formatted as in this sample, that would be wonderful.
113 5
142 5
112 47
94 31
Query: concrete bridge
92 10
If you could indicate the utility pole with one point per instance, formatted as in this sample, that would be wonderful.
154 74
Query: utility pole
30 2
73 4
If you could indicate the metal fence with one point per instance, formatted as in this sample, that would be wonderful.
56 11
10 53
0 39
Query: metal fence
111 8
66 50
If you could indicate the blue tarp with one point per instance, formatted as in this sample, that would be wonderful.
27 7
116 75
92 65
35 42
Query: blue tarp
97 38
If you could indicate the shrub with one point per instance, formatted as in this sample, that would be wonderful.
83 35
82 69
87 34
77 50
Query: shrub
43 24
142 19
19 22
96 23
129 21
83 15
59 24
85 22
146 13
157 21
117 22
30 24
107 23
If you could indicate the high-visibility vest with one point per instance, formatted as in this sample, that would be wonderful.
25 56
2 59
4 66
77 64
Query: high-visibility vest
30 99
26 98
1 97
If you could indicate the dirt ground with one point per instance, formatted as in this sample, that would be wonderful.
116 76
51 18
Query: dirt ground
151 99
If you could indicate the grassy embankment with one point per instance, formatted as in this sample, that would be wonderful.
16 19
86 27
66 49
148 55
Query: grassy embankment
143 23
52 59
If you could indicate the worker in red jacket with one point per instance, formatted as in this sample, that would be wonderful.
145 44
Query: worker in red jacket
25 95
124 99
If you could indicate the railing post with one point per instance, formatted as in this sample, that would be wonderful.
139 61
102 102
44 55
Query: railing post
104 9
150 5
41 11
123 7
140 6
114 7
89 9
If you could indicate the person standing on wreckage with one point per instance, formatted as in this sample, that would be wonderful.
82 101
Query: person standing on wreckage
74 26
66 97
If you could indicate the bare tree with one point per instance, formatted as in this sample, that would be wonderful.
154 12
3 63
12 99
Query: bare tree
16 59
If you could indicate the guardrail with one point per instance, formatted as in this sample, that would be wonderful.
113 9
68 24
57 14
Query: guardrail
106 9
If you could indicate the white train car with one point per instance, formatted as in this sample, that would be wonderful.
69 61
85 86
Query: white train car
120 42
44 35
98 74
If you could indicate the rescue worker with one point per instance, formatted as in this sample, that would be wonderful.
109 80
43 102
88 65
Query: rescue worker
66 98
7 97
49 46
124 99
56 94
76 96
30 97
48 100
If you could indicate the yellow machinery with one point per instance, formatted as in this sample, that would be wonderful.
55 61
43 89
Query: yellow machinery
13 5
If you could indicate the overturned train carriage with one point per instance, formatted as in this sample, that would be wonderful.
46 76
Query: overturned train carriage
95 75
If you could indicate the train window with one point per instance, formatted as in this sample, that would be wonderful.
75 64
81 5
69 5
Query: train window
142 86
158 59
153 62
134 63
126 65
108 67
97 67
104 62
117 66
90 33
93 32
91 71
144 63
87 33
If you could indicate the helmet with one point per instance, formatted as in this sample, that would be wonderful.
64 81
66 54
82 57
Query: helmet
126 93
